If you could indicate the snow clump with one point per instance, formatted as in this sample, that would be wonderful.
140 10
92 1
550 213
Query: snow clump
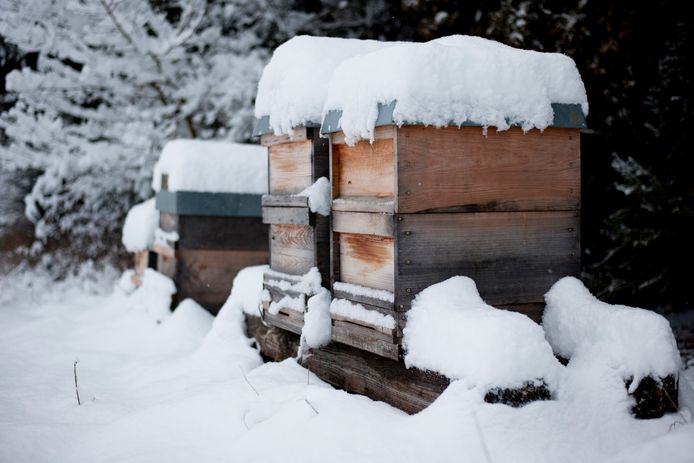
140 225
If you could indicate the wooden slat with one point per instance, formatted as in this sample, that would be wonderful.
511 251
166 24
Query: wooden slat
285 201
514 257
364 339
322 237
287 215
298 134
386 132
166 265
282 321
390 332
367 260
290 167
364 204
363 223
385 307
274 343
365 169
461 169
214 232
292 248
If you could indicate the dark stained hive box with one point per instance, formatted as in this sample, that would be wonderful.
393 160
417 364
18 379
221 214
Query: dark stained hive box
422 204
299 238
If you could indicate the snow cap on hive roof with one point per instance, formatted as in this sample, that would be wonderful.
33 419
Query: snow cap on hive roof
212 167
294 83
454 80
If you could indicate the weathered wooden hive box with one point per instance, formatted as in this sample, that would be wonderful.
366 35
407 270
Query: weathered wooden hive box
421 204
299 238
206 237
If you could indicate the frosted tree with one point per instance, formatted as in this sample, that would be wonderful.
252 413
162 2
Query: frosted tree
113 81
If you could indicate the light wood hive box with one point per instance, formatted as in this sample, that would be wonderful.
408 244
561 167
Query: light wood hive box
219 234
299 238
422 204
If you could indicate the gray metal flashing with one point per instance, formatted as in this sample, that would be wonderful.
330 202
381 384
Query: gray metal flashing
568 116
218 204
262 126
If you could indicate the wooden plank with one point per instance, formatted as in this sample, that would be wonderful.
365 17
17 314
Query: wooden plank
364 223
377 377
292 248
365 339
462 169
285 201
367 260
514 257
214 232
297 134
287 215
166 265
274 343
168 222
365 169
372 303
389 332
364 204
208 274
282 321
290 167
386 132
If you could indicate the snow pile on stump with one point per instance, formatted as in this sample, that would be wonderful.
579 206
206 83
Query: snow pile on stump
212 167
453 80
452 331
139 227
636 344
294 83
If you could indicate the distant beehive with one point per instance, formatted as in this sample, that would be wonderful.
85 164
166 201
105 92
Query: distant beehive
421 204
205 238
299 238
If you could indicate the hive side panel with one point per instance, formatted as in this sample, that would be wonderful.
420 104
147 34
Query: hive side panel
514 257
292 248
462 169
366 260
290 167
365 169
215 232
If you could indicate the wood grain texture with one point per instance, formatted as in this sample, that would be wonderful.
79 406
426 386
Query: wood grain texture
461 169
364 338
377 377
298 134
215 232
287 215
364 169
290 167
284 201
282 320
388 332
274 343
367 260
364 223
385 132
292 248
514 257
364 204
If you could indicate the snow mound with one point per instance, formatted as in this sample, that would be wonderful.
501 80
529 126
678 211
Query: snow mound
634 342
317 327
189 323
318 196
294 83
140 223
246 290
453 80
452 331
154 295
212 167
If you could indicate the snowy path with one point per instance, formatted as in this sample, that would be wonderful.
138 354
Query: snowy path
172 392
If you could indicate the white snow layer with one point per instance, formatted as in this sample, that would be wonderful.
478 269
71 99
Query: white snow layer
452 331
317 328
308 283
154 295
355 311
318 195
294 84
212 167
246 290
453 80
633 342
139 226
358 290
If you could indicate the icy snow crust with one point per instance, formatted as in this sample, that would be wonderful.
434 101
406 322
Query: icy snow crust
452 331
294 84
453 80
632 342
163 392
140 223
212 167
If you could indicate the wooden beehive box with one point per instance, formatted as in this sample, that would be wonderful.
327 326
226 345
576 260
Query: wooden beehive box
299 238
422 204
218 234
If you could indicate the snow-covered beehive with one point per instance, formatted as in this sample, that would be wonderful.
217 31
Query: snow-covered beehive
458 156
288 109
209 197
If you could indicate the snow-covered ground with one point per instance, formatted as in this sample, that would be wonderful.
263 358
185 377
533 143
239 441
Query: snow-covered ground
192 388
